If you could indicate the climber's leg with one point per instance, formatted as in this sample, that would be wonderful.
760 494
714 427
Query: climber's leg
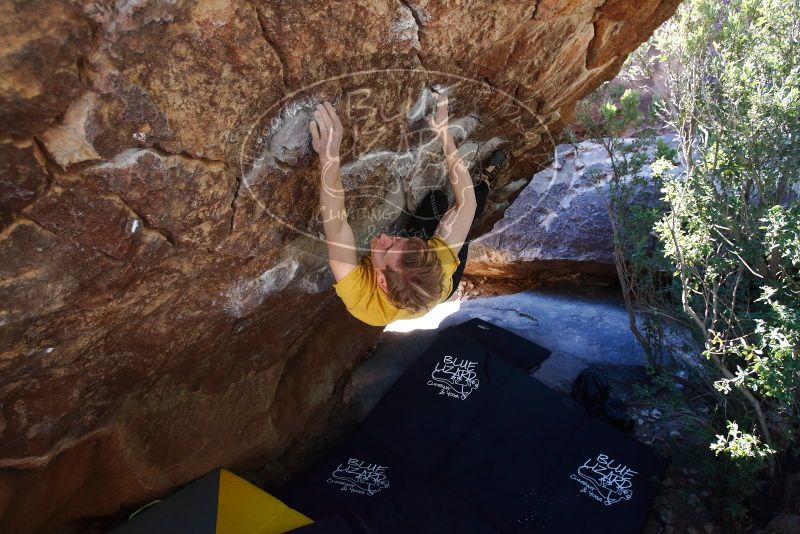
426 218
481 194
488 173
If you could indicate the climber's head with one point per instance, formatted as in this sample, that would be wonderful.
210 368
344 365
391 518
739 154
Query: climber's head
408 269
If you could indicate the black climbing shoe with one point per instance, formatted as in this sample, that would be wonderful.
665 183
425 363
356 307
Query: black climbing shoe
496 164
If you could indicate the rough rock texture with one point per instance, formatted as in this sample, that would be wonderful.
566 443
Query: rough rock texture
166 304
559 224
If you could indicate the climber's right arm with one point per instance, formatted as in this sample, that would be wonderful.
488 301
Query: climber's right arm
326 136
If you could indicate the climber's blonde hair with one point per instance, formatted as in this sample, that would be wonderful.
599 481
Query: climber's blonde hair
417 283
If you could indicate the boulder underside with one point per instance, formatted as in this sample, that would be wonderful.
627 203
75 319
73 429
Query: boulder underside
166 300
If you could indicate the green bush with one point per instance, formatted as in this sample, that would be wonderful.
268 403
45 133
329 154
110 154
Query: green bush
730 233
732 227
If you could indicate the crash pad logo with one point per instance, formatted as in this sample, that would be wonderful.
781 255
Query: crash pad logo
360 477
604 480
455 377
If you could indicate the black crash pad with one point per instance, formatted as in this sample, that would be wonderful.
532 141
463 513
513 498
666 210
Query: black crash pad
354 476
467 442
511 447
516 350
605 481
428 410
384 491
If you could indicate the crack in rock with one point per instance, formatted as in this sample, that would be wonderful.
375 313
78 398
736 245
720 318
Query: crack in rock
275 48
418 18
406 28
138 218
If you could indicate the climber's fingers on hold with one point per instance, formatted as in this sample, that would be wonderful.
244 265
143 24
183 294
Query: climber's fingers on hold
322 117
332 113
314 127
431 117
438 116
441 106
320 123
439 98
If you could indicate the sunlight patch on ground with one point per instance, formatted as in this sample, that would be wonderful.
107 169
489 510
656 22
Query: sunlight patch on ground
429 321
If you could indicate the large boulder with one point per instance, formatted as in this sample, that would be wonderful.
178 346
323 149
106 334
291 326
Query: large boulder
166 302
559 225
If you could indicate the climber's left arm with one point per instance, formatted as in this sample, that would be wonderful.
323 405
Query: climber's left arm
326 136
456 222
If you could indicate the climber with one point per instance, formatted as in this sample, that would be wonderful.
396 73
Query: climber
404 275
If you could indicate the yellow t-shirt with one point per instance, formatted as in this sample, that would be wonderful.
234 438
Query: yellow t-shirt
369 303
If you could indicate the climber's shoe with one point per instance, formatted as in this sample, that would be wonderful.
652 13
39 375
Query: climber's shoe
492 168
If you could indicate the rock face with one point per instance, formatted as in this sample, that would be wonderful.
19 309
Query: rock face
166 303
559 223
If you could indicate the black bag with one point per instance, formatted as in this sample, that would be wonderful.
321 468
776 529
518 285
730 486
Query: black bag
591 389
